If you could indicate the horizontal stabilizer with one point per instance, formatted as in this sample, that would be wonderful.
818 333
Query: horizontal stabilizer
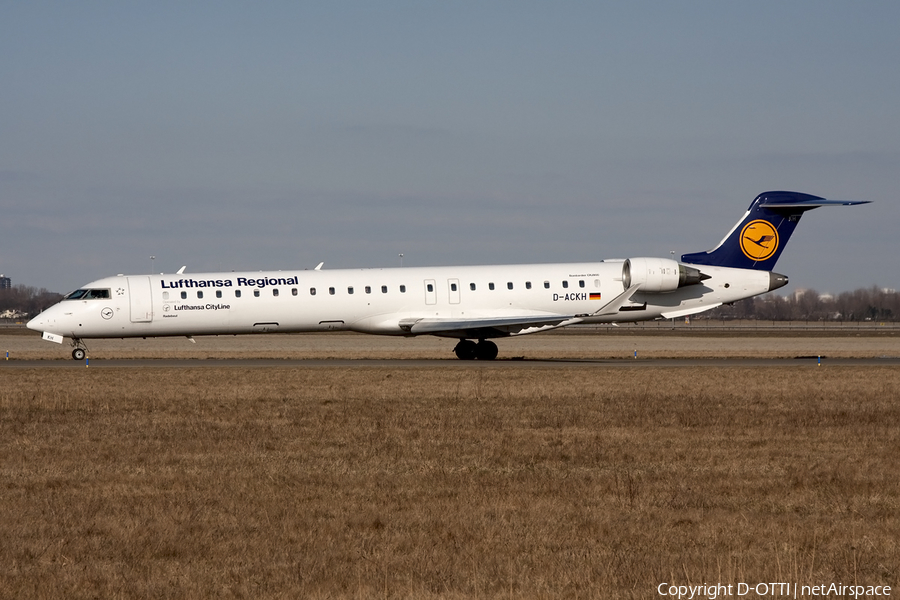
811 204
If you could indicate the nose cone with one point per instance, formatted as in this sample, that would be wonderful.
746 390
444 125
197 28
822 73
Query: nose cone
36 323
45 320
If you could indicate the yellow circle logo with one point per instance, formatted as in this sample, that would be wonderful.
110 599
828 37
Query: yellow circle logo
759 240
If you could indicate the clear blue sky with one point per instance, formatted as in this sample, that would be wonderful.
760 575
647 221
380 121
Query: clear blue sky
276 135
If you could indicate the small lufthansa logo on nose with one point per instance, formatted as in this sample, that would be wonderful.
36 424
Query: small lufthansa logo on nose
759 240
107 313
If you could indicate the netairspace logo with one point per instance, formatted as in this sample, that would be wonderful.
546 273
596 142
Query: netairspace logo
771 590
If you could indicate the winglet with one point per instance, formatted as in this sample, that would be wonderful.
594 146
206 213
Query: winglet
612 307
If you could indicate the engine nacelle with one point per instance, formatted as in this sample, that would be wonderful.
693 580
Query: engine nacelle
659 274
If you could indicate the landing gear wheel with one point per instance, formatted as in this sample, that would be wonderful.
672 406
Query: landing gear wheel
466 350
486 350
78 354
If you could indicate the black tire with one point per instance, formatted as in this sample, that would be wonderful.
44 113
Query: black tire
486 350
78 354
466 350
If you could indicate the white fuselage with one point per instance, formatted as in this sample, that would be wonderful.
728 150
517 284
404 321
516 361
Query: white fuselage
378 301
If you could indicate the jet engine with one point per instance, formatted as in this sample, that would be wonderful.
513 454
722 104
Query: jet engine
659 274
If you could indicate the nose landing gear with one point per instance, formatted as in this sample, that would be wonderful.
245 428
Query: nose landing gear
469 350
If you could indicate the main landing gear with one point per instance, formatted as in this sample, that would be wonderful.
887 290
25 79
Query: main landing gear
80 350
469 350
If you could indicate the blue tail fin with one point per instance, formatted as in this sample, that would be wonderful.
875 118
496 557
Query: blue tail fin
759 237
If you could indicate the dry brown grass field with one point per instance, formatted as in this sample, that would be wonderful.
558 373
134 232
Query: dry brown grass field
444 483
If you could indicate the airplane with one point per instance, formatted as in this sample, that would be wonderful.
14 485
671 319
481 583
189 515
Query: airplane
473 304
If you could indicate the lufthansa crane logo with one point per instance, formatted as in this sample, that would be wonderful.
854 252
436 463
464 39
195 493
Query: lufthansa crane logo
759 240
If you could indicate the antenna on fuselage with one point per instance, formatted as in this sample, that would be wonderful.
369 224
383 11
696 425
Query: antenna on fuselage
319 266
181 270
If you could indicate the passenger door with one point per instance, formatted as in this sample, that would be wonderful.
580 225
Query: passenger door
140 295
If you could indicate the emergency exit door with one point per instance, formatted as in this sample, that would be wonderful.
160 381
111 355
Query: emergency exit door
430 292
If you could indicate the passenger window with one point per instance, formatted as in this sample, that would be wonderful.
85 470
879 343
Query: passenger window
184 295
452 287
565 284
275 291
294 291
581 283
402 289
237 293
200 295
491 286
472 286
368 289
350 290
256 293
527 285
331 291
312 291
509 285
546 285
430 287
218 293
384 289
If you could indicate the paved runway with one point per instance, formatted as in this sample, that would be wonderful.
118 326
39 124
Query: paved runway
804 362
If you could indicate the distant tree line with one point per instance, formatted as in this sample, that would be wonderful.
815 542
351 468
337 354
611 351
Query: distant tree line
866 304
27 300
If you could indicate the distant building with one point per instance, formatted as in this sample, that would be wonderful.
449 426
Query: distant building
5 283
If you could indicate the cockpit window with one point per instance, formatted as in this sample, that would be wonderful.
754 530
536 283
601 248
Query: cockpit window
88 295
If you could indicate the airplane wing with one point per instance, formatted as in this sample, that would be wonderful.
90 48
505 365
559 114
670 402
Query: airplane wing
489 327
485 327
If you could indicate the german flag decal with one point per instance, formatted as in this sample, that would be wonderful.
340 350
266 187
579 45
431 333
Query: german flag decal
595 295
